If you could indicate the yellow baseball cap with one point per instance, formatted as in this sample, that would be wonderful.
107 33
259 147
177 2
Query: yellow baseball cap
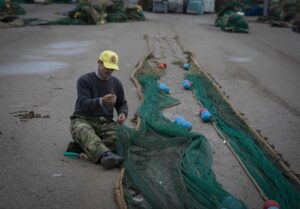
110 59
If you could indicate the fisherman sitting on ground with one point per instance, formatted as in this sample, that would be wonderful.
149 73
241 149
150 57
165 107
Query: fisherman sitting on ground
92 124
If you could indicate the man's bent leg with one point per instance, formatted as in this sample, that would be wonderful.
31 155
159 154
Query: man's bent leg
106 130
84 134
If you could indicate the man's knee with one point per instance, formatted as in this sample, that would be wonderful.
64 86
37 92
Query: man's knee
79 130
82 127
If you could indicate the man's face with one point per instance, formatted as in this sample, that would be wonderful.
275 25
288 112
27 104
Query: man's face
103 71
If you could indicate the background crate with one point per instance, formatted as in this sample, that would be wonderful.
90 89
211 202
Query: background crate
131 3
160 6
209 5
175 6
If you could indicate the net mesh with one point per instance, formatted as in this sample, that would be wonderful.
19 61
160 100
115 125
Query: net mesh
245 144
92 14
167 166
10 8
229 20
232 22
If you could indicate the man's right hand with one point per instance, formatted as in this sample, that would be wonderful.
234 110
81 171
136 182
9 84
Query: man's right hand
109 99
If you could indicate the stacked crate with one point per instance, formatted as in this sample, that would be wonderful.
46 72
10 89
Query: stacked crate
209 5
160 6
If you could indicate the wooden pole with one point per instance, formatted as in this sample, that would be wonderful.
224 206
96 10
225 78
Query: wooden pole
118 191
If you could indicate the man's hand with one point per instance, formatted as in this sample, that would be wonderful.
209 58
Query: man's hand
121 118
109 99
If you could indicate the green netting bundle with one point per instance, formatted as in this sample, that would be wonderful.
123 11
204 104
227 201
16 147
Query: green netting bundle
135 14
83 14
88 13
63 21
117 16
245 144
167 166
229 20
10 8
117 13
232 22
125 15
93 14
283 11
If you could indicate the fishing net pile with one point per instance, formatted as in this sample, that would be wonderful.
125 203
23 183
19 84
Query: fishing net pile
10 8
9 12
95 14
245 144
282 13
85 13
168 166
229 19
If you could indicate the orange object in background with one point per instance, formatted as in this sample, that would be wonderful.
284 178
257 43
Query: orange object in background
162 65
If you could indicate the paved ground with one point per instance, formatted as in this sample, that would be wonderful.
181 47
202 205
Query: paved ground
258 71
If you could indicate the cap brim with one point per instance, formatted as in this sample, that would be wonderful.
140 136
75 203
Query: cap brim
111 66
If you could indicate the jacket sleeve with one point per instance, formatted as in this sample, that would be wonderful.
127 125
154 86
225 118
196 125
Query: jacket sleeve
85 96
121 104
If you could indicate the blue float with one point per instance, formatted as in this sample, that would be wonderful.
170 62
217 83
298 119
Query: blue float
186 66
205 115
183 123
164 88
187 84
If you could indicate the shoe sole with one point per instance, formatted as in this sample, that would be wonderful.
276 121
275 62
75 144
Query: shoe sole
111 163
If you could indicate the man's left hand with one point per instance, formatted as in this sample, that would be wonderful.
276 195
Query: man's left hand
121 118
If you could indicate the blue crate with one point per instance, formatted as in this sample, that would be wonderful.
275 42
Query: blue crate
160 6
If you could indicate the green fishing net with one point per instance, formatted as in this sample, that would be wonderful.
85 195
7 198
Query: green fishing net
10 8
283 10
93 14
245 144
168 166
229 20
232 22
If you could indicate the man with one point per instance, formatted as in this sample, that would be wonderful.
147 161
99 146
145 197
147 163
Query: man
92 125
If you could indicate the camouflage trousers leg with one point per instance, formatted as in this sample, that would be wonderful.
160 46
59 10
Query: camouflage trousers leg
94 135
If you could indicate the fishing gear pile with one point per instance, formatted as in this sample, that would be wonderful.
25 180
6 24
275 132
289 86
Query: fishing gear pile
231 19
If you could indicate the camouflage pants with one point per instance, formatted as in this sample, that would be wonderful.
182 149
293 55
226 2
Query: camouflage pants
94 135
